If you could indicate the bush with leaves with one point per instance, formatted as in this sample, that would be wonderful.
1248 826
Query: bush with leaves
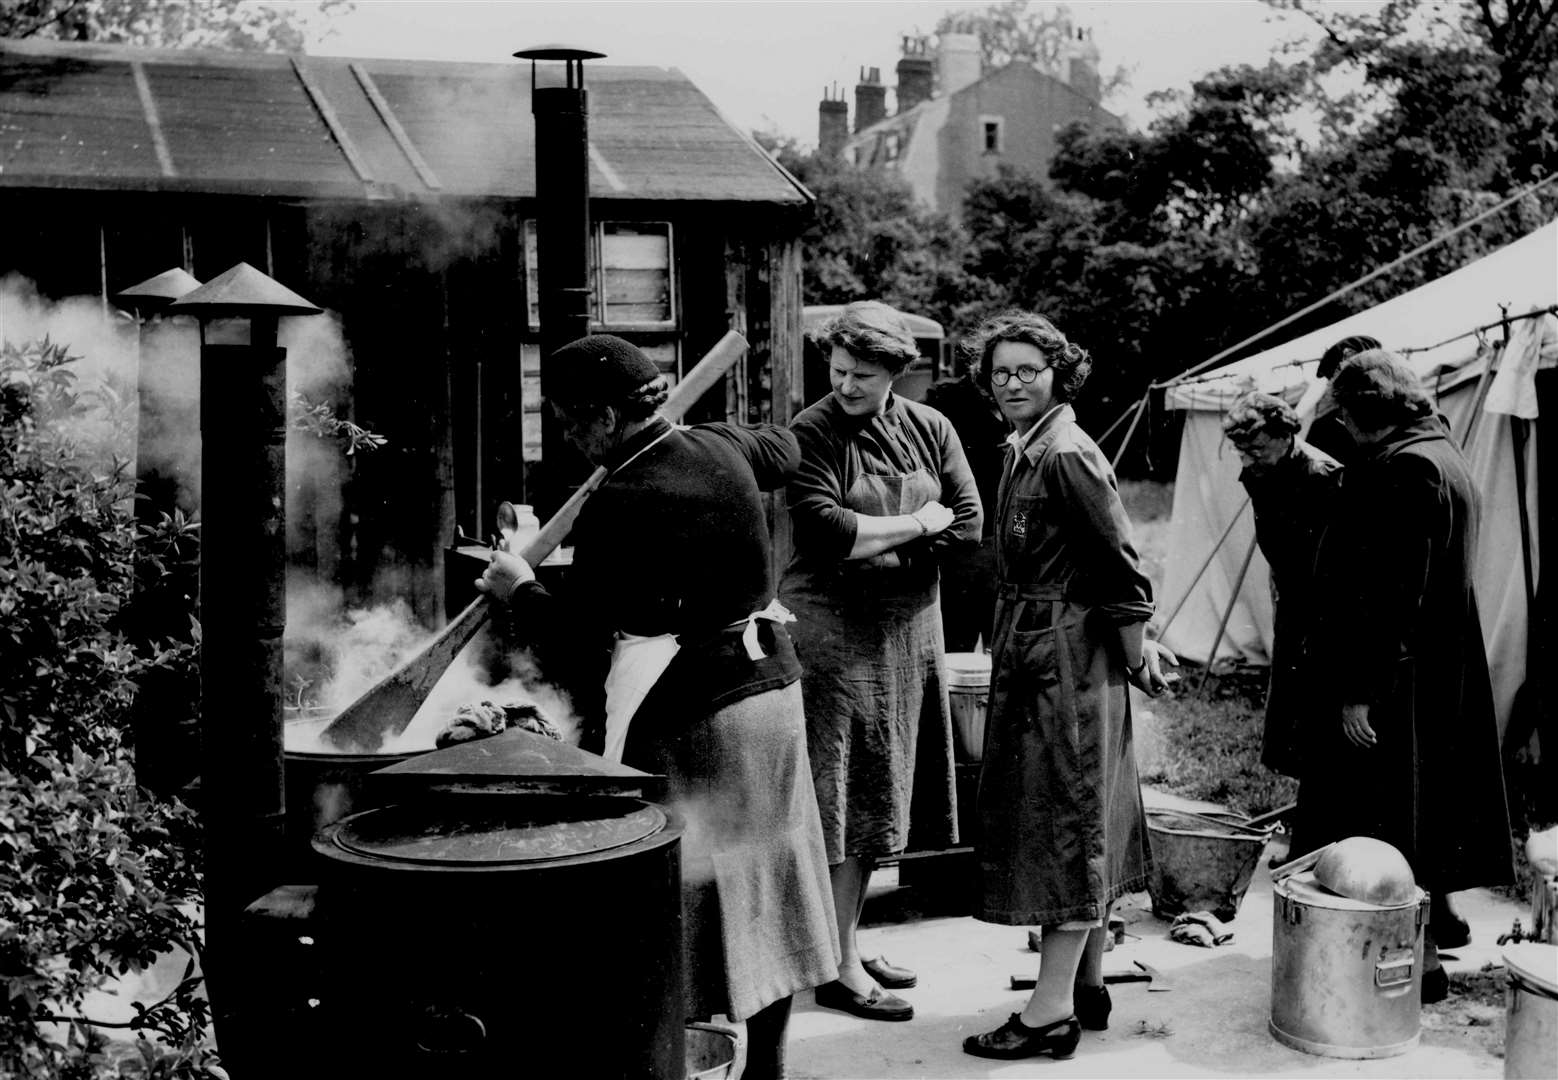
97 878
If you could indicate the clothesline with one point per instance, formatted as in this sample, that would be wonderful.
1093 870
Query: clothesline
1213 376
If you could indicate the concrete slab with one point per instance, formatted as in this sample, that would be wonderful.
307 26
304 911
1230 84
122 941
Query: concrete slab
1213 1022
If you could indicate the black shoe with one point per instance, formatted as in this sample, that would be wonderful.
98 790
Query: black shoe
1015 1039
889 977
1436 986
877 1005
1445 925
1092 1005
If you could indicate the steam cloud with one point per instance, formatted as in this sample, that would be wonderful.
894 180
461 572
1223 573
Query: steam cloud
352 649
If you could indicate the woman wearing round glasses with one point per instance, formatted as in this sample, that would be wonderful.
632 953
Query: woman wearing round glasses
883 489
1062 829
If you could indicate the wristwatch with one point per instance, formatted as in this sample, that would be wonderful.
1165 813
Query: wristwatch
1132 672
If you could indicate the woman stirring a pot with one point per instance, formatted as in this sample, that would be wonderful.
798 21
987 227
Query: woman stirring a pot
669 610
1062 834
883 490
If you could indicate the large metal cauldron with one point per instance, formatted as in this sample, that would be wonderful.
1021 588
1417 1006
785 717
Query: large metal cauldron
504 936
323 787
1346 975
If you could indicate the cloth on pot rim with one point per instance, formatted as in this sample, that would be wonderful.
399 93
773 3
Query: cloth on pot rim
1200 928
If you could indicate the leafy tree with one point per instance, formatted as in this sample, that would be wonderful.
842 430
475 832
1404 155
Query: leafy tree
871 239
206 24
93 871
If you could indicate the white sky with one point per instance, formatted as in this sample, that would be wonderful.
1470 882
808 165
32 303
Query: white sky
764 63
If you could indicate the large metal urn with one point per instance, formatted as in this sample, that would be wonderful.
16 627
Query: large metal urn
1346 974
505 935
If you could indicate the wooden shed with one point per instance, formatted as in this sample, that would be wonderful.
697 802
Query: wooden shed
400 196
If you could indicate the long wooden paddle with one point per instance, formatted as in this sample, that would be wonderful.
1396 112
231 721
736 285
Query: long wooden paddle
391 703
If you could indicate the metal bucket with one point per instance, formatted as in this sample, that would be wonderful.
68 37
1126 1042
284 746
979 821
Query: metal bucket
1346 976
968 690
714 1052
1531 1011
1199 863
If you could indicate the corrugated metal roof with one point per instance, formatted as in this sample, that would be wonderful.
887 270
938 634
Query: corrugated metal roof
104 116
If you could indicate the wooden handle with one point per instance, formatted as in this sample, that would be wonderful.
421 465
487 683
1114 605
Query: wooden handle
1298 865
392 702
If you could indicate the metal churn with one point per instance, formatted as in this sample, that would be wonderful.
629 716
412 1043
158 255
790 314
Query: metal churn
1346 973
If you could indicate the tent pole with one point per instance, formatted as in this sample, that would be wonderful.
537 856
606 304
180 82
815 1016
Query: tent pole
1209 557
1118 420
1233 598
1126 442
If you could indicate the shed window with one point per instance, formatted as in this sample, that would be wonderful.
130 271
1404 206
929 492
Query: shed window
631 276
665 353
890 146
993 131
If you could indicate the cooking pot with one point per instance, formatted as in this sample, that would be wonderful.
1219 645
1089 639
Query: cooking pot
464 935
1531 1011
1346 975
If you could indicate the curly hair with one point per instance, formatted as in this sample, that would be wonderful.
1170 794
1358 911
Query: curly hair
1255 414
1378 389
1071 362
872 332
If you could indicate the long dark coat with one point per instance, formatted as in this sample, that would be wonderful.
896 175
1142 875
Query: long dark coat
1063 833
1292 502
1397 629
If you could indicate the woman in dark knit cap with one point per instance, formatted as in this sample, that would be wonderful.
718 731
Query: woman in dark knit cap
883 490
1326 431
671 576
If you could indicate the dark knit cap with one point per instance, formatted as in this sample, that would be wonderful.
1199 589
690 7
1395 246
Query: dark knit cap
1256 413
1332 358
597 370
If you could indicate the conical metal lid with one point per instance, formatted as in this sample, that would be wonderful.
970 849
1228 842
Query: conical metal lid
242 291
159 291
516 761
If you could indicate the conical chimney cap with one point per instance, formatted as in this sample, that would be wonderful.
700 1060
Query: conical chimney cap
158 292
242 292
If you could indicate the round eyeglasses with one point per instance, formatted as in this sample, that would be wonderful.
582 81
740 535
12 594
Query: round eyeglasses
1026 373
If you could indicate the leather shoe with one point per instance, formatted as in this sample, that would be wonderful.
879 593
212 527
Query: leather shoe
1445 925
877 1005
1436 986
1014 1039
889 977
1093 1006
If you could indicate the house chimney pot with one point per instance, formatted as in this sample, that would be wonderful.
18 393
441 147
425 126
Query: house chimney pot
832 124
916 73
870 98
1082 64
959 59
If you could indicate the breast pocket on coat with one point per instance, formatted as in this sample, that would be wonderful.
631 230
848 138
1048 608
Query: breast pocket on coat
1020 527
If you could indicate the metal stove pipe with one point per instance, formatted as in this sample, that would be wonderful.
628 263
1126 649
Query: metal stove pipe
243 414
562 147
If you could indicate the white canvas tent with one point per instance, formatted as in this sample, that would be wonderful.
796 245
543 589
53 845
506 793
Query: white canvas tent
1476 389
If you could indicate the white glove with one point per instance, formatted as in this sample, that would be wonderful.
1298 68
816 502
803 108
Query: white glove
504 574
